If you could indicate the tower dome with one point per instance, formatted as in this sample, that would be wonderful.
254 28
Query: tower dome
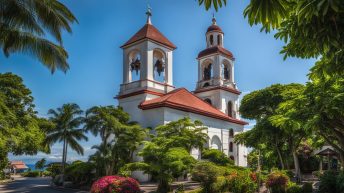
214 27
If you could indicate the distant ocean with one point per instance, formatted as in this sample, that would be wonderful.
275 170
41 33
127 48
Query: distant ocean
31 166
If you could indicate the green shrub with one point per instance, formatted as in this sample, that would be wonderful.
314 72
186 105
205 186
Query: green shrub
221 184
31 174
217 157
294 188
80 173
307 187
340 183
206 173
242 181
54 169
328 182
46 173
277 182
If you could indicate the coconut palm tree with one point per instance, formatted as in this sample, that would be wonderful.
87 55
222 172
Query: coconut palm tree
24 25
67 119
40 164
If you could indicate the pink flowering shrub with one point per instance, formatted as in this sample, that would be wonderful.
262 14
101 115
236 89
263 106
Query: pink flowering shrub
115 184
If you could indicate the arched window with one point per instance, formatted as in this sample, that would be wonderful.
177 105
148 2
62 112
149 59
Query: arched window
230 109
231 133
206 84
207 71
231 147
231 157
208 101
216 143
159 66
134 66
225 70
211 40
219 40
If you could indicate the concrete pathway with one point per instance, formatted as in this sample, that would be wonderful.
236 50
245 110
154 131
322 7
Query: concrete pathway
32 185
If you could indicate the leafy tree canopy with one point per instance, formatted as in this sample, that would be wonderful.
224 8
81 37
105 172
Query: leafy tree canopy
25 25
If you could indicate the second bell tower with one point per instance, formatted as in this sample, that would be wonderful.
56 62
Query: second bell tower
216 83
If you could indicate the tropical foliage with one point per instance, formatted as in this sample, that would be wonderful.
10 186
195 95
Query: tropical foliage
206 173
26 24
66 121
120 138
80 173
276 130
21 131
167 155
217 157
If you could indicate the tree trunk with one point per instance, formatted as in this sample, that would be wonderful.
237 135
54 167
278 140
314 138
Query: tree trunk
65 161
297 166
341 157
63 156
163 186
280 158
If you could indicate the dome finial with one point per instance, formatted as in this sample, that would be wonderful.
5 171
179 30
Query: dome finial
214 19
149 14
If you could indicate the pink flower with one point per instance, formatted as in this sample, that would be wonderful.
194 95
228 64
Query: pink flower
115 184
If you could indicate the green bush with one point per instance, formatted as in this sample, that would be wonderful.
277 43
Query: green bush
217 157
328 182
242 181
294 188
46 173
206 173
80 173
307 187
54 169
31 174
340 183
277 182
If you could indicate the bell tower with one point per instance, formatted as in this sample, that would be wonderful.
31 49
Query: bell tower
147 61
216 83
147 68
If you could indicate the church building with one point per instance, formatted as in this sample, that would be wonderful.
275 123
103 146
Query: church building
149 96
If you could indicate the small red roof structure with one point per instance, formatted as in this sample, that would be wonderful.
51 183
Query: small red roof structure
148 31
18 165
182 99
215 49
214 28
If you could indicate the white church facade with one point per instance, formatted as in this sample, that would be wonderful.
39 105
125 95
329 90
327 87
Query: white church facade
148 95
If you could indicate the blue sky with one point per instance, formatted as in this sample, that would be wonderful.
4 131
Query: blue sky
96 58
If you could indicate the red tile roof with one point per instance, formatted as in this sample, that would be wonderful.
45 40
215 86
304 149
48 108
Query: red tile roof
214 28
18 165
215 49
184 100
148 31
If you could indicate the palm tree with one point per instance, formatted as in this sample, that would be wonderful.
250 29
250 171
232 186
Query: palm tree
67 119
40 165
23 27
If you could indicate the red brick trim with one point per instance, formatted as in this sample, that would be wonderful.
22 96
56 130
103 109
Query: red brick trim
138 93
232 90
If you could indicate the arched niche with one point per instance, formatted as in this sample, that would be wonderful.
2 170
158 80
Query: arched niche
230 108
159 65
207 70
134 65
207 100
230 147
231 133
216 143
211 40
219 39
226 70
